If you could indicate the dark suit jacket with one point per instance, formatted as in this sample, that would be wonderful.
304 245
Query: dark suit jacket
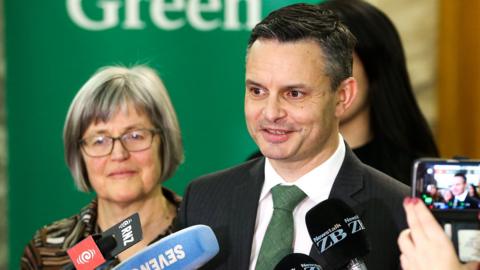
227 201
471 202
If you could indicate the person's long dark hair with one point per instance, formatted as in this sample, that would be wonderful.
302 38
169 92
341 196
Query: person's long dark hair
395 116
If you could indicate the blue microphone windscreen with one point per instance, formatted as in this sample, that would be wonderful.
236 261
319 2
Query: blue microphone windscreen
189 248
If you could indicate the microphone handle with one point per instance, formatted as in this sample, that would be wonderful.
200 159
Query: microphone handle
356 264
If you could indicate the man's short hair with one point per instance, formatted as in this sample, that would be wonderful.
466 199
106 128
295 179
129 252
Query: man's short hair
462 175
312 22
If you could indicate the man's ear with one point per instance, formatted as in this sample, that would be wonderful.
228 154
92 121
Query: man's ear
345 94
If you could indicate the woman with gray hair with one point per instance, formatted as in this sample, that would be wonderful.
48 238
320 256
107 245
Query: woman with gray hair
122 141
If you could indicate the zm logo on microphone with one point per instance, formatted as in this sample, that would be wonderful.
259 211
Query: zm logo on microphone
86 256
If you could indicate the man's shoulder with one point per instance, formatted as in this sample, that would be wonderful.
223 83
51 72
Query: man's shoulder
211 198
237 174
373 179
386 182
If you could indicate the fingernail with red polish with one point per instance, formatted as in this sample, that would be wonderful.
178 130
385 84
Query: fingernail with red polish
414 201
407 200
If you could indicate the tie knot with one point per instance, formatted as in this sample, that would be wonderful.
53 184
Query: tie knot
286 197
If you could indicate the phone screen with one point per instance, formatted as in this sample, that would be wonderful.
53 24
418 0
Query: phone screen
447 184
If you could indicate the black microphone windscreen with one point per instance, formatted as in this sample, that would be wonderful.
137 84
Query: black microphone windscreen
337 232
106 245
297 261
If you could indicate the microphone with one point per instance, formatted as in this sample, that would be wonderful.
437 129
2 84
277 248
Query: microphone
105 244
297 261
186 249
127 233
96 249
339 235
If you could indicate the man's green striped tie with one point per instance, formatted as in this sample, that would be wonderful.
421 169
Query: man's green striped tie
278 239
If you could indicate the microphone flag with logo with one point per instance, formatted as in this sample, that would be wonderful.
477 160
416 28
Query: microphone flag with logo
127 233
96 249
86 255
338 233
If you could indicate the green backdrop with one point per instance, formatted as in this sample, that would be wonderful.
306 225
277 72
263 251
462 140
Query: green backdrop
52 47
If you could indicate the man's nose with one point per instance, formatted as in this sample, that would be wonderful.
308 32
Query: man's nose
274 109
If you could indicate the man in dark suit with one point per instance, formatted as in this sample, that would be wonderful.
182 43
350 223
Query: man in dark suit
298 84
460 191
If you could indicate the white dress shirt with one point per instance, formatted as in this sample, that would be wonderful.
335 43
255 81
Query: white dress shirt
461 197
316 184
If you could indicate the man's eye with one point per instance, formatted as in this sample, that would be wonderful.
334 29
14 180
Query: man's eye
295 94
256 91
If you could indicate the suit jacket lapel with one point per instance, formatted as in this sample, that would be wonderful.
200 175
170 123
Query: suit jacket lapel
244 206
349 180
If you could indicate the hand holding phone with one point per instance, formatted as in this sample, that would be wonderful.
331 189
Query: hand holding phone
424 245
449 189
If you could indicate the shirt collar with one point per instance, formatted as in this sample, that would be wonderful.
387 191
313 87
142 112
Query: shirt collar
462 196
317 183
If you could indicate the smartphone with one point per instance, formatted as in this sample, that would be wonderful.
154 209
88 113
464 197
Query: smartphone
443 184
447 184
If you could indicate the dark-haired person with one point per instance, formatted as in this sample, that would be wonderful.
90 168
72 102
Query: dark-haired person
433 192
447 198
472 191
460 191
122 141
384 125
298 85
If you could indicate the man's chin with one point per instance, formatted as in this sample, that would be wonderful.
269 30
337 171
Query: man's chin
275 156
